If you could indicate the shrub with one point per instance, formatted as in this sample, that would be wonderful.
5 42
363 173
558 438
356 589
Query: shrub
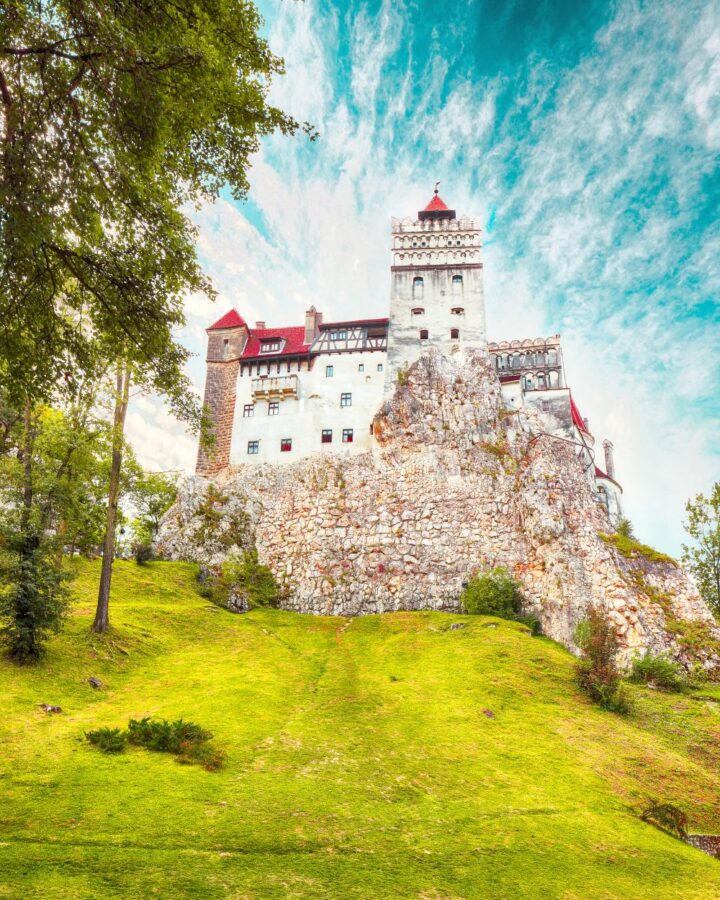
109 740
625 529
188 741
34 598
596 672
532 622
242 583
143 551
494 593
164 736
660 672
667 816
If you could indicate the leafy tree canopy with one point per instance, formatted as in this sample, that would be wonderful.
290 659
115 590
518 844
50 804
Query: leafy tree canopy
114 116
702 557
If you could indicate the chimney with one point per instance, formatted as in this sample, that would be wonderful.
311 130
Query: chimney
313 318
609 459
260 325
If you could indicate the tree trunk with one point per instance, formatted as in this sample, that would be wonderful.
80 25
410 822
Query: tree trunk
27 468
102 616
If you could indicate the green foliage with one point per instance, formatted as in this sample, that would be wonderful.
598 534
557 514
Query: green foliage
143 552
33 595
326 753
186 740
666 816
596 672
702 558
241 581
109 740
153 493
252 580
117 118
625 529
631 549
660 672
402 376
494 593
532 622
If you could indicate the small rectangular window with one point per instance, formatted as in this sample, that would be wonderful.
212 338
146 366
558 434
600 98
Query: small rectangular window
345 399
328 371
338 335
361 367
274 408
270 347
286 445
253 447
424 334
347 435
326 436
454 334
248 410
380 367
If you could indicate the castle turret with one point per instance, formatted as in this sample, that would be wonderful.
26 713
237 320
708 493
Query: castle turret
226 341
437 294
609 458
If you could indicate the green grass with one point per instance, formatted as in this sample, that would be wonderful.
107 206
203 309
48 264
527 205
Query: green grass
359 763
632 549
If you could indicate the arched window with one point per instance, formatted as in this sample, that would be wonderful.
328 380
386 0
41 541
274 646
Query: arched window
454 334
529 383
418 287
423 334
418 311
541 380
457 284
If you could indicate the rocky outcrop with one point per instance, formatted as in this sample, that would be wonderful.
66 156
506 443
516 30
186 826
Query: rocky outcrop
457 484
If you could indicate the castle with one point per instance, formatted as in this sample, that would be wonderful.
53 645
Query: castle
276 395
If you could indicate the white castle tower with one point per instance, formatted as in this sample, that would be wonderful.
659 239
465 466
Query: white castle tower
436 295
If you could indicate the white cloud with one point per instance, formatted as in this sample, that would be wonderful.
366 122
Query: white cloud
593 190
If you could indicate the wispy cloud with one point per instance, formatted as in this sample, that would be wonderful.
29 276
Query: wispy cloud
595 163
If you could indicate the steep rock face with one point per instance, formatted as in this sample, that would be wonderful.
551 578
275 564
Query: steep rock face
458 484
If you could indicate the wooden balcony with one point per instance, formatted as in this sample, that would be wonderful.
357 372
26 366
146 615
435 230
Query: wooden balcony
269 388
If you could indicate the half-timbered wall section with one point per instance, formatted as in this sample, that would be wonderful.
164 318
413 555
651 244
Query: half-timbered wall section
280 394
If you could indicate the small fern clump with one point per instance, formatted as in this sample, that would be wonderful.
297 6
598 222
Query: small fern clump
659 672
109 740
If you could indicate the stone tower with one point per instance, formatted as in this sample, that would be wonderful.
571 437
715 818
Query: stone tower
226 341
436 297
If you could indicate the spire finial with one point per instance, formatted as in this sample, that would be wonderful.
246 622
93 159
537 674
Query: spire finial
437 185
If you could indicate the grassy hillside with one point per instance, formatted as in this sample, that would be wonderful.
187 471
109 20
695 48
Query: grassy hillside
360 761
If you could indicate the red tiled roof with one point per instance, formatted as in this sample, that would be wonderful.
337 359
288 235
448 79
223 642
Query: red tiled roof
437 204
294 338
231 319
326 325
600 474
577 419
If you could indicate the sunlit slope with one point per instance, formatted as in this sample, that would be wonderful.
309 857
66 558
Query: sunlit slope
386 756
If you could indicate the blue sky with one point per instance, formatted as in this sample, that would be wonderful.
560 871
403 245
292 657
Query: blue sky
587 138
